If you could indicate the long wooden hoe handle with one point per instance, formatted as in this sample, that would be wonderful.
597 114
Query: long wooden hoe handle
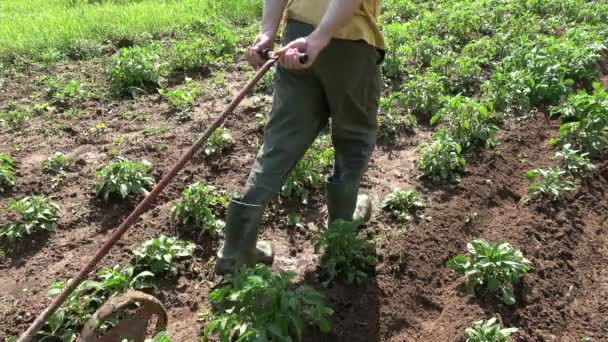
142 207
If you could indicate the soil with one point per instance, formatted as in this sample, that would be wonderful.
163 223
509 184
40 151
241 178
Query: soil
413 297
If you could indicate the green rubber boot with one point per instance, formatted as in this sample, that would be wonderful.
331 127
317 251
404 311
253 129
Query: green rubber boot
240 239
344 202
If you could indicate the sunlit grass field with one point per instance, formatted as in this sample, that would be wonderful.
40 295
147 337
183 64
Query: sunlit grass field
29 28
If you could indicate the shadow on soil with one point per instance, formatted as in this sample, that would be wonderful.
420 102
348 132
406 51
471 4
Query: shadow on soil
356 311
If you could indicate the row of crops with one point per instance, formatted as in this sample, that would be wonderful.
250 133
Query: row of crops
462 67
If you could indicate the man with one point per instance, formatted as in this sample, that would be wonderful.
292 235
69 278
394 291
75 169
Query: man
340 80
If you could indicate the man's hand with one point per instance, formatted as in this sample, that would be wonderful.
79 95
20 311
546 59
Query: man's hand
262 42
289 55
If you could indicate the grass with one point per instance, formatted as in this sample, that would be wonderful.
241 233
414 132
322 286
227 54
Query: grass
39 27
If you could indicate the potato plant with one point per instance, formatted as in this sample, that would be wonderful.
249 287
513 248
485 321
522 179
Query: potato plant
488 331
7 173
35 213
55 165
553 183
441 160
586 121
160 255
197 208
344 255
136 69
80 305
404 205
310 171
496 267
257 305
15 118
391 118
574 162
424 94
219 140
122 178
470 123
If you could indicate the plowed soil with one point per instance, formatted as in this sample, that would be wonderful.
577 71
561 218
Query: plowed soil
413 297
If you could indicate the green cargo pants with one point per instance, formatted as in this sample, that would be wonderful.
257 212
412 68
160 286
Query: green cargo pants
343 84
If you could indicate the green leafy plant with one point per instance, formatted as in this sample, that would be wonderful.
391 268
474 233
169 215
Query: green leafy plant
309 172
495 267
55 165
424 94
404 204
219 140
7 172
391 119
257 305
122 178
441 159
345 255
15 118
553 183
160 255
59 91
136 69
574 162
192 54
182 100
197 207
160 337
470 123
35 213
488 331
81 304
199 52
586 119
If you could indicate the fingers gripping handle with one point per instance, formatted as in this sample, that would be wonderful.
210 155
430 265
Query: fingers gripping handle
269 54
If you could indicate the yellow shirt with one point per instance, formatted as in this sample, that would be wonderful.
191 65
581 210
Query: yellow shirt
362 26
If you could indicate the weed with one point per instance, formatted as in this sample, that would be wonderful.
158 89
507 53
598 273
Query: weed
309 172
7 172
197 207
257 305
497 267
154 132
123 177
404 205
182 100
294 220
219 140
261 120
136 69
59 91
99 130
344 254
135 116
574 162
35 213
441 159
552 184
194 54
488 331
55 165
160 255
